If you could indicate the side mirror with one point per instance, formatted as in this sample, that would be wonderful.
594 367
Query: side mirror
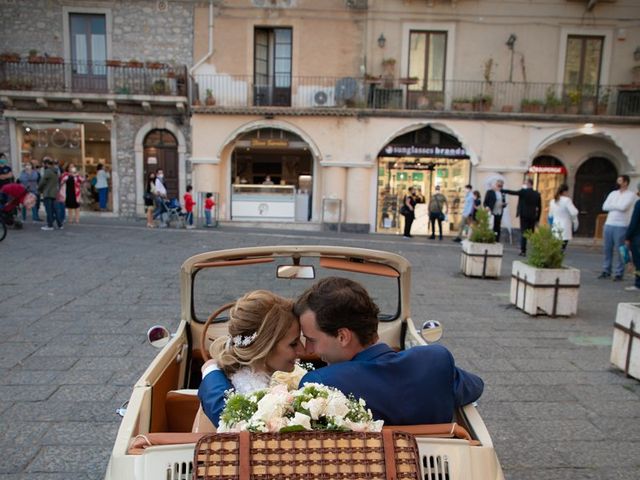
306 272
158 336
431 331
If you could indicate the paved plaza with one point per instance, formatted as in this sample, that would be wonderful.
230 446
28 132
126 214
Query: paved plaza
75 306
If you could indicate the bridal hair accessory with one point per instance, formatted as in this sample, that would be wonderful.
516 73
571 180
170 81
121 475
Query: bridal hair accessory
241 340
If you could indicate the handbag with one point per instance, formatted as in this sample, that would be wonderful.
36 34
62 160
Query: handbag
312 455
404 210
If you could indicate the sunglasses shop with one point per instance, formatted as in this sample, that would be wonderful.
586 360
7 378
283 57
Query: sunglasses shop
83 145
423 168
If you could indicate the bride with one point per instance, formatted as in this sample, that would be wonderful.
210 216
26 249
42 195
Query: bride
264 337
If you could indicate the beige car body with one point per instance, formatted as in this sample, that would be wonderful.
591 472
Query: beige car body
457 458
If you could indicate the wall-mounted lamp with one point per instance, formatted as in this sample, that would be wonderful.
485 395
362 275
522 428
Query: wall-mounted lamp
382 41
511 41
636 54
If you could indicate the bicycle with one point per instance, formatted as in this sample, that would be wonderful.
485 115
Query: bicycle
3 229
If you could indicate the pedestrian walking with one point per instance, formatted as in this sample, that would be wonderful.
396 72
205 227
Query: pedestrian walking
495 203
188 206
632 241
564 215
618 204
437 211
160 199
48 187
149 198
467 212
529 210
208 207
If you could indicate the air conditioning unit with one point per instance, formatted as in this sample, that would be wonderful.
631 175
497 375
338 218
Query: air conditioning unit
357 4
320 98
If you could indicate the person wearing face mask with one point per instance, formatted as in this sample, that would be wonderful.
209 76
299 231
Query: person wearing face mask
29 178
6 175
161 197
71 189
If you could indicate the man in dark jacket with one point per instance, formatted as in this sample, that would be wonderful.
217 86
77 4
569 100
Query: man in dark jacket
48 187
529 210
632 240
494 201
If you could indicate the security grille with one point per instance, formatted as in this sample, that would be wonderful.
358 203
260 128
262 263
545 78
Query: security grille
435 467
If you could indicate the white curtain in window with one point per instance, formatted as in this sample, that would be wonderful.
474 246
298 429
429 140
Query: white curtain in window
80 41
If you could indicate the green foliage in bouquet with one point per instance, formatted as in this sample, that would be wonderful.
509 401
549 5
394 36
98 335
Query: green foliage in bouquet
544 248
481 232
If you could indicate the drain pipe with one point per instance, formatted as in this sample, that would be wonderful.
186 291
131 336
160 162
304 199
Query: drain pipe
210 52
192 82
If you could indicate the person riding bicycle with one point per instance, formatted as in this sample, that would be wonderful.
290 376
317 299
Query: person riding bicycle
11 196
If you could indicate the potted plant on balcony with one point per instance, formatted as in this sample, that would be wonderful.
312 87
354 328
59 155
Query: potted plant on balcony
155 65
53 59
481 255
114 63
541 285
552 103
159 87
603 102
531 106
10 57
209 99
482 103
462 104
574 97
133 63
34 57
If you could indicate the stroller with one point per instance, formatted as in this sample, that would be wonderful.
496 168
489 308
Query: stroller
172 213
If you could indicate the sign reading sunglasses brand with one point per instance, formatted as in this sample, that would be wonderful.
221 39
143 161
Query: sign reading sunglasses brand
424 151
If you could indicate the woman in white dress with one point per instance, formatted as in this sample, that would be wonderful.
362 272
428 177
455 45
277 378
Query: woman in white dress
264 337
565 215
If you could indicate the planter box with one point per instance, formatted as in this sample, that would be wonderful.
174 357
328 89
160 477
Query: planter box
545 291
481 259
625 350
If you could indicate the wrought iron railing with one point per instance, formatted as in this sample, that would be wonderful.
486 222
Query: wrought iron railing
124 78
409 94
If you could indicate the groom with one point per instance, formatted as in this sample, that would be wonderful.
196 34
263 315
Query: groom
339 321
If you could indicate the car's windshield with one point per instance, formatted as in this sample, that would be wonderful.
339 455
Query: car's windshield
213 287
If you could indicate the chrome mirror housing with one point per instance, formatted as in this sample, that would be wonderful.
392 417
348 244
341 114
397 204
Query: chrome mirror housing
158 336
431 331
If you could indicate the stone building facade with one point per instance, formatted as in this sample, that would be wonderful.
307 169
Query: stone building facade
93 80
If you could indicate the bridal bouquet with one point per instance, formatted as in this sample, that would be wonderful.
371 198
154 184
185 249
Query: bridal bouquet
312 407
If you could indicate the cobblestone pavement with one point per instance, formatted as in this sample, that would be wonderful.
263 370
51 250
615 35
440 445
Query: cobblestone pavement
75 306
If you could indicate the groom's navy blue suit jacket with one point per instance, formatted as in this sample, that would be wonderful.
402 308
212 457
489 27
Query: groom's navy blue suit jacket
414 386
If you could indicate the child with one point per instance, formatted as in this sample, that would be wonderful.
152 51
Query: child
188 206
208 205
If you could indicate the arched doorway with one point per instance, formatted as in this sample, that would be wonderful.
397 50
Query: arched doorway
271 176
421 159
161 153
548 174
594 180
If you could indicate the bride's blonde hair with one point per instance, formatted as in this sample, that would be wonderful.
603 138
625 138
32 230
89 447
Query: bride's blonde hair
259 319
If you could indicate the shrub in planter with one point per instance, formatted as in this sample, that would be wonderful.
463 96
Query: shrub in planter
542 285
481 255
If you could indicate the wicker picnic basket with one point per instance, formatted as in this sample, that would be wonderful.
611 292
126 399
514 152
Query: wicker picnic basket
310 455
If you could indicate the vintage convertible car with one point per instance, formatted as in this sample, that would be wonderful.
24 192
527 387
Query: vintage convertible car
157 436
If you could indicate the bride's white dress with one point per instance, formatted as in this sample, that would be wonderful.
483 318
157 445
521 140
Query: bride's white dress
246 381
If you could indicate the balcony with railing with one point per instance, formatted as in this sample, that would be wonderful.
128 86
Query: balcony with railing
50 75
408 94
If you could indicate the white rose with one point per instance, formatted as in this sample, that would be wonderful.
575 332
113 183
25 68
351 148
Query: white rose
337 405
317 407
302 420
